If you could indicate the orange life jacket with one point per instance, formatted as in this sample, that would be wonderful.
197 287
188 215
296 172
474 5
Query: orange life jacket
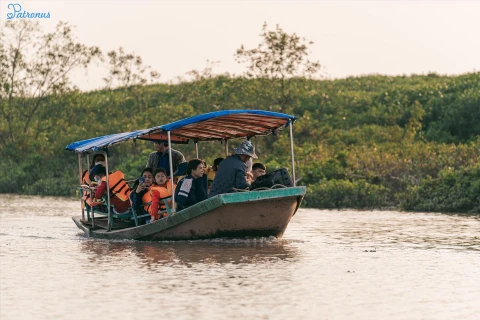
147 200
164 192
86 181
118 185
210 176
86 177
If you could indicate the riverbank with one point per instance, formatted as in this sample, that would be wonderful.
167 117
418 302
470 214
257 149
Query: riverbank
409 142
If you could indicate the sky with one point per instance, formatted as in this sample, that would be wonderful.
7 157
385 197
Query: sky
351 38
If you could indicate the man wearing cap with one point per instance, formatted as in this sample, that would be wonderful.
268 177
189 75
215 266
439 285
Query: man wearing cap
232 173
159 158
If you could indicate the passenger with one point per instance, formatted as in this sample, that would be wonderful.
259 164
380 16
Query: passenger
212 171
97 159
159 158
232 173
192 188
258 169
160 189
181 172
119 191
201 184
140 198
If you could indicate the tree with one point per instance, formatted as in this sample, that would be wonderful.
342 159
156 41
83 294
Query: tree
128 72
278 57
127 69
35 67
205 74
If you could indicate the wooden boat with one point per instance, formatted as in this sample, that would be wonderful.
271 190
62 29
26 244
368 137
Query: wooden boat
257 213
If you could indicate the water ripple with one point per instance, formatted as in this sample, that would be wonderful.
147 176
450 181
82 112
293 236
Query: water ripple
329 265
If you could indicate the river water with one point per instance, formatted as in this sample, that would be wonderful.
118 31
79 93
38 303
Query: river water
329 265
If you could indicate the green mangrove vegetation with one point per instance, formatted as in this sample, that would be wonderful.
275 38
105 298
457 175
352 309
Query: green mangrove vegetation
407 142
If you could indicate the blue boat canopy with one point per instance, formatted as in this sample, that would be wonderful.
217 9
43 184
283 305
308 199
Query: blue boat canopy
213 126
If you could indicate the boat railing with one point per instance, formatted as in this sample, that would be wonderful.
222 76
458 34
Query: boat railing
86 188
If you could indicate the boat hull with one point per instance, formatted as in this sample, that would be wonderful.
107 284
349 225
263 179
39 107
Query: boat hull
236 215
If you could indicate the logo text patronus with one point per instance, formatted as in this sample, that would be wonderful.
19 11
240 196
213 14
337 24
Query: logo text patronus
17 12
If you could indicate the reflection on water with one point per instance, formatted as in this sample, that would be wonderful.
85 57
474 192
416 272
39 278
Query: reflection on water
329 265
220 251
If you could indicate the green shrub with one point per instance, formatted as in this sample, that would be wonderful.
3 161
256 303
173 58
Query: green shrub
346 194
451 191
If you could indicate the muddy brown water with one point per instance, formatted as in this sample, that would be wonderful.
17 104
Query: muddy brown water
329 265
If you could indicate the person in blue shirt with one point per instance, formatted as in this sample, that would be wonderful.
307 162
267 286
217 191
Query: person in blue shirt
159 158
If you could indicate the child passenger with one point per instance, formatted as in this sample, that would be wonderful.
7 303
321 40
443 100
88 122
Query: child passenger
161 188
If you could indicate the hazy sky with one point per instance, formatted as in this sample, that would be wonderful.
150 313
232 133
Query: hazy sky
350 37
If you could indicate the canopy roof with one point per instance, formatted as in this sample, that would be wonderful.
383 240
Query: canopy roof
219 125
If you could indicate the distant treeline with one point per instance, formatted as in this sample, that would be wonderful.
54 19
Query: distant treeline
410 142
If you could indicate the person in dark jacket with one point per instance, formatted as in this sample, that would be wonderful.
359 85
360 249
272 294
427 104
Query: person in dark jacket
159 158
232 172
140 189
193 187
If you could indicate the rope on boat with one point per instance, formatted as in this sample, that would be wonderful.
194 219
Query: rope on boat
275 186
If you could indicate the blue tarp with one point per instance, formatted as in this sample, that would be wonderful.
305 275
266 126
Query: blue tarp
219 125
95 144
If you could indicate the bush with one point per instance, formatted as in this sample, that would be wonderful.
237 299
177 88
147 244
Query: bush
451 191
346 194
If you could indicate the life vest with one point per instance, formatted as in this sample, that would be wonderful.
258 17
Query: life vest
118 186
85 177
147 200
211 176
164 192
86 193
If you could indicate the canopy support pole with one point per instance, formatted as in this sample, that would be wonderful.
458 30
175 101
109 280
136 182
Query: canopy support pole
171 169
91 194
109 225
196 149
80 178
226 148
291 151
